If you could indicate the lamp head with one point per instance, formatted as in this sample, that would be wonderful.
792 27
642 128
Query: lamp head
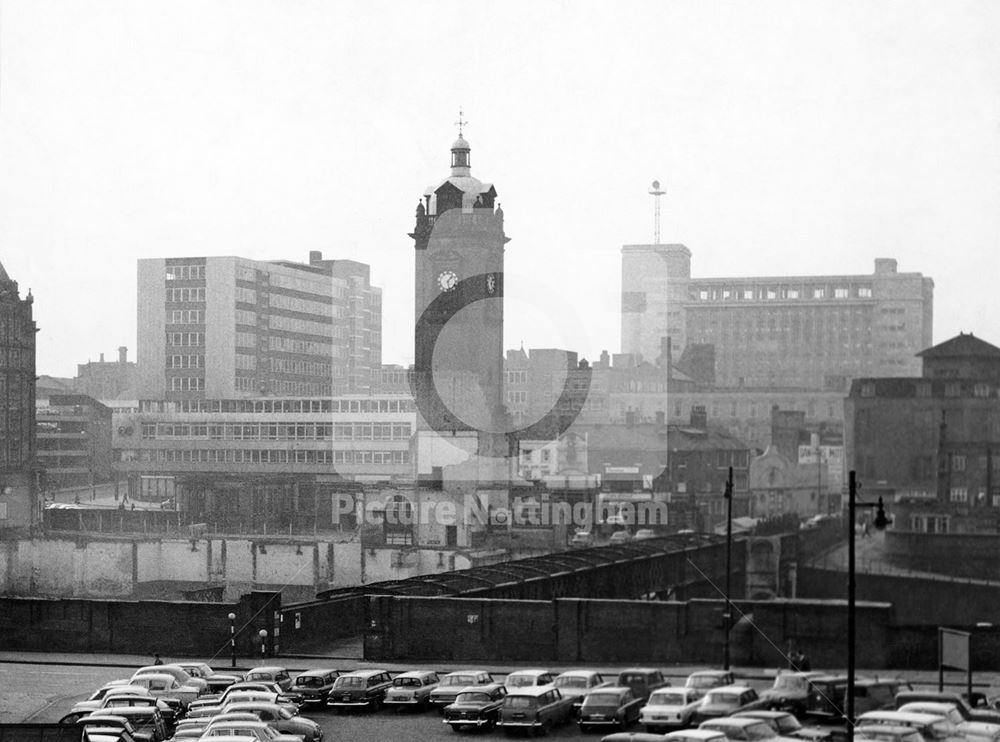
881 519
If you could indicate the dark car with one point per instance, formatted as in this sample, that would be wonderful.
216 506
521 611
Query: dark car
360 689
615 706
790 691
703 681
477 707
270 674
784 723
642 680
313 686
536 708
727 701
826 697
455 682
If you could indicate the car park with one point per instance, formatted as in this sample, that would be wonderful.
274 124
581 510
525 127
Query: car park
742 730
360 689
477 707
527 678
412 689
282 718
669 708
703 681
453 683
536 708
726 701
642 680
576 684
254 729
313 686
790 691
615 706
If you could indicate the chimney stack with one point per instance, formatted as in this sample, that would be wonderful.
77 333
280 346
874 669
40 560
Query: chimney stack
122 355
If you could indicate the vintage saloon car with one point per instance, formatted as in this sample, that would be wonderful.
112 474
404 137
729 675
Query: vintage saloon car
576 684
727 701
477 707
703 681
669 708
270 674
360 689
613 706
313 686
642 680
412 689
790 691
454 682
536 708
527 678
281 718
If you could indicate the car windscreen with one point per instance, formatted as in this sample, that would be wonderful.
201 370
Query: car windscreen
722 699
520 681
349 682
571 682
704 681
520 702
668 698
458 680
406 682
602 699
632 678
309 682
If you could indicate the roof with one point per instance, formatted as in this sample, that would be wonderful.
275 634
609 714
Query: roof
901 716
962 346
362 673
460 143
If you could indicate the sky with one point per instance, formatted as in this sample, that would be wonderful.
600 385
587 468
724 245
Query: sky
792 138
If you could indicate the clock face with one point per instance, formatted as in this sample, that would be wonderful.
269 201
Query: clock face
447 280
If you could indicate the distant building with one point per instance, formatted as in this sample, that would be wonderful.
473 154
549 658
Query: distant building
931 444
74 441
106 380
228 327
809 332
20 504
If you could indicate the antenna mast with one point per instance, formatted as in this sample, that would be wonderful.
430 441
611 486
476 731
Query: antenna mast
655 192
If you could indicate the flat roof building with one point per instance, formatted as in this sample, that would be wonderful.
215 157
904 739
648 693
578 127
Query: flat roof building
812 332
229 327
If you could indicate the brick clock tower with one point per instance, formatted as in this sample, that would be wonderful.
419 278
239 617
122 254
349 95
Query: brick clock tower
458 352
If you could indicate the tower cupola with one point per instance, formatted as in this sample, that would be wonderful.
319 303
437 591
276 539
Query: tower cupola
460 157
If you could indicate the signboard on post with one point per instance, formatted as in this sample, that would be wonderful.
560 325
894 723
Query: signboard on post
953 653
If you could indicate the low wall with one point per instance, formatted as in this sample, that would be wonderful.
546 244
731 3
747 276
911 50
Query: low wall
969 555
310 627
578 630
138 627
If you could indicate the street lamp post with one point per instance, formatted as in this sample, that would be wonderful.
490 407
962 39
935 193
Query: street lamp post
727 617
263 644
881 521
232 636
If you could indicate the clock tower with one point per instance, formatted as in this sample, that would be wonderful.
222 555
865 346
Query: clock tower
458 352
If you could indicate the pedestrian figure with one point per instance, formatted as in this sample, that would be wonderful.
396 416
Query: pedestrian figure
133 506
804 664
157 660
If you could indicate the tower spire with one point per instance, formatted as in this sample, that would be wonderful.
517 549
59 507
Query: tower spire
461 122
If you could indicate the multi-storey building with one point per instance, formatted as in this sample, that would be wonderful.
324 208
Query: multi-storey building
19 501
266 458
107 379
228 327
815 332
932 442
74 441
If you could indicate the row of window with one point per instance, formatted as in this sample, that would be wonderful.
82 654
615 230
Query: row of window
245 295
185 339
268 456
186 317
517 377
187 384
177 296
980 390
301 368
307 327
309 306
780 292
365 405
186 361
185 272
348 431
325 286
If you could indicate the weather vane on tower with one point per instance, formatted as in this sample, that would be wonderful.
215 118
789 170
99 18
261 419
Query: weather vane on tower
461 122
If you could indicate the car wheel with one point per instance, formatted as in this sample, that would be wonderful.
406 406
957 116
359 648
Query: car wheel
377 704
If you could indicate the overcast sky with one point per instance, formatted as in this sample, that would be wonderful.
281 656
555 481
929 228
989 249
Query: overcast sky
792 138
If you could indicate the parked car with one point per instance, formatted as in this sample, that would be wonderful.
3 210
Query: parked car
726 701
412 689
105 728
454 682
875 694
615 706
620 537
784 723
581 539
527 678
886 733
576 684
289 697
826 699
945 710
669 708
634 737
931 727
477 707
189 729
534 708
360 689
170 708
181 675
703 681
968 713
254 729
313 686
643 534
694 735
93 701
215 685
270 674
281 718
162 685
742 730
790 691
642 680
147 722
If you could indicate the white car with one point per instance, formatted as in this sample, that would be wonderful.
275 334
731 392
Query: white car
527 678
576 684
669 708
